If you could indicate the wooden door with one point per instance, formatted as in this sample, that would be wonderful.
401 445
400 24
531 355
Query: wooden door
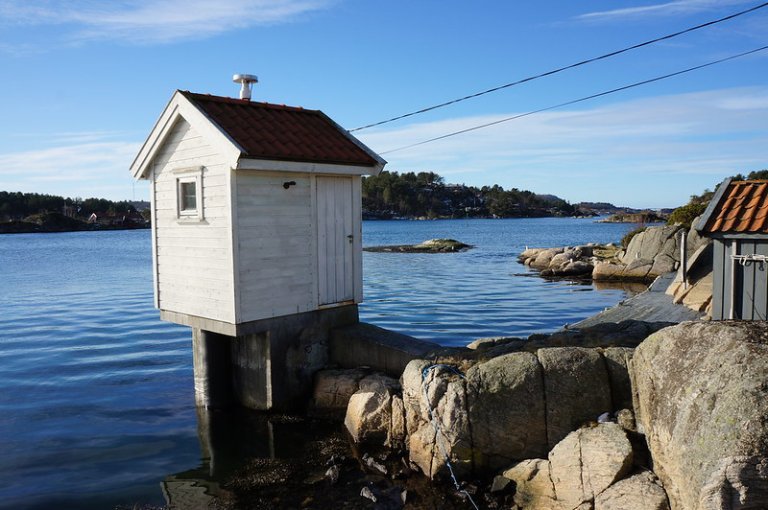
335 240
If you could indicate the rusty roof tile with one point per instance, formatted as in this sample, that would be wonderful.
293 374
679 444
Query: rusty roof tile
743 209
279 132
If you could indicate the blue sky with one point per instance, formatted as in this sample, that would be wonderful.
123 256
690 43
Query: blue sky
83 82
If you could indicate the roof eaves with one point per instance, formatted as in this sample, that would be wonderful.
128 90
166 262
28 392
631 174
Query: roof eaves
380 162
716 198
189 97
140 162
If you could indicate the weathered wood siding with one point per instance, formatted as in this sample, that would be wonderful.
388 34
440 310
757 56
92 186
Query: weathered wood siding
194 268
754 303
746 285
721 279
276 246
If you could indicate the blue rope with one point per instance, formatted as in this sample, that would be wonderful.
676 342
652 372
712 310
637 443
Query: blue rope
438 432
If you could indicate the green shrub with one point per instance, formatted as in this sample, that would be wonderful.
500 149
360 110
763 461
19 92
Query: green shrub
686 214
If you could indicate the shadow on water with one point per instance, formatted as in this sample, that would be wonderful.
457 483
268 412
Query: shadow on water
257 460
229 440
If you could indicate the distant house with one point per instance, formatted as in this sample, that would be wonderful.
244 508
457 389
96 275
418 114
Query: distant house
737 221
93 218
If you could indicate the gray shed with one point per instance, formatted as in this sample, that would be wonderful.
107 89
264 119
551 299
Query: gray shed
737 221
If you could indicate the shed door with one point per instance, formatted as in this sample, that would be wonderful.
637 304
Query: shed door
335 240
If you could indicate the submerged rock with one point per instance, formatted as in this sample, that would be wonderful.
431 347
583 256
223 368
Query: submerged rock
429 246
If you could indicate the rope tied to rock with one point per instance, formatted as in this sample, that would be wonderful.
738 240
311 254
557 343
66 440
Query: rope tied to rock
436 424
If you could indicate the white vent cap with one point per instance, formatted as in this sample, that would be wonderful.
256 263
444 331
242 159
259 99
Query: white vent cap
245 81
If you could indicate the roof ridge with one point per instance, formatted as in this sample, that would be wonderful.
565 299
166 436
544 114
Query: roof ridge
244 102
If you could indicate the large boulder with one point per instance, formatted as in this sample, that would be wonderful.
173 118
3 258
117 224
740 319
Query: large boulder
334 387
369 416
651 253
577 389
437 420
653 242
544 258
579 469
533 484
570 261
509 408
588 461
639 492
506 409
700 398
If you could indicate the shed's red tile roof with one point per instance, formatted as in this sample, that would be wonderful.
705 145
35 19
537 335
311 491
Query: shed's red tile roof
743 209
286 133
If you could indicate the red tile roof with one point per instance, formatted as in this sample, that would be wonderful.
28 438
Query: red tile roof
743 209
269 131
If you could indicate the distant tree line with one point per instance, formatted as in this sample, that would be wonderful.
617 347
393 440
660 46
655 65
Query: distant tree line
17 206
426 195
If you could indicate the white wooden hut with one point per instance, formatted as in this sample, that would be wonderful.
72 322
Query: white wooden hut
256 215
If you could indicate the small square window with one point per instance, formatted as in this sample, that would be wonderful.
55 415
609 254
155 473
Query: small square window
189 193
188 196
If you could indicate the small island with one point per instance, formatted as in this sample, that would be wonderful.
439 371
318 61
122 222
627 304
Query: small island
429 246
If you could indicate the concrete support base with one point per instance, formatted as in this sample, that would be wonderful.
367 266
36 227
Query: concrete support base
211 360
271 365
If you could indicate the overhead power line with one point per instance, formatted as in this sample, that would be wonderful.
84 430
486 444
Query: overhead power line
561 69
580 100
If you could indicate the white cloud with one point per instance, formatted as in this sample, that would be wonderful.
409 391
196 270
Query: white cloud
76 169
675 8
147 21
697 138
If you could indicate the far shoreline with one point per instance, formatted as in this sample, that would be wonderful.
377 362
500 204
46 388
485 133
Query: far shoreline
65 231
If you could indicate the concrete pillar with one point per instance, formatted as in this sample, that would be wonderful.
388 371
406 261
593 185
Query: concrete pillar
212 363
270 365
252 370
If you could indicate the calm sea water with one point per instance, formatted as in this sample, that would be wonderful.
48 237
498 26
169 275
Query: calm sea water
97 405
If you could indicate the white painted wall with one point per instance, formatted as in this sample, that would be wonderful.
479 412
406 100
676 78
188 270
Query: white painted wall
275 244
194 260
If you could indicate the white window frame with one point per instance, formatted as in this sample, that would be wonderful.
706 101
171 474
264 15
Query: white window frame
189 175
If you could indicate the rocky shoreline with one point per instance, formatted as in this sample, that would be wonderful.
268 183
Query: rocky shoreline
629 415
649 254
349 464
579 426
598 418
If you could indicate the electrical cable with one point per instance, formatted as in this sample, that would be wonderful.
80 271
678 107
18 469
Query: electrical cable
561 69
580 100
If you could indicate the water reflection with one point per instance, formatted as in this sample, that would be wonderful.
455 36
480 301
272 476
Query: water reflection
229 439
631 288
